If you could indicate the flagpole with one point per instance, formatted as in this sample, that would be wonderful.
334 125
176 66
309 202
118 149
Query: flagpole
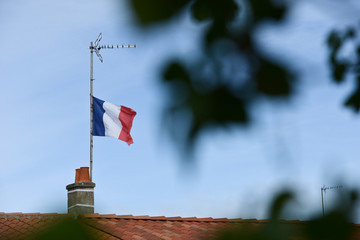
95 47
91 108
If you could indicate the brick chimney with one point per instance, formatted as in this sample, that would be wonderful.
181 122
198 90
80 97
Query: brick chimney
81 193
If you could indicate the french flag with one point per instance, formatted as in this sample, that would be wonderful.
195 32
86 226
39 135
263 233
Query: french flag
112 120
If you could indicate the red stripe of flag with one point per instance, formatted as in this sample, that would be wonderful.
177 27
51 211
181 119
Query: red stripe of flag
126 117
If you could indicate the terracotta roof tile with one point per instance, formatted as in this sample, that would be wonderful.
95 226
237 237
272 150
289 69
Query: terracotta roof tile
111 226
108 216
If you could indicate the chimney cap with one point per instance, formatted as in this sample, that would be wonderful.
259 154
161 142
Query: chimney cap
82 175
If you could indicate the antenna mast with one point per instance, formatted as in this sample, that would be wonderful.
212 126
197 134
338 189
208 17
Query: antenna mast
323 190
95 47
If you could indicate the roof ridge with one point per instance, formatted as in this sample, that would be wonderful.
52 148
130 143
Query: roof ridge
17 215
188 219
159 218
115 216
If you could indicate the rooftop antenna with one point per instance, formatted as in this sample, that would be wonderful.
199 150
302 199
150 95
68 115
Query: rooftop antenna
323 191
95 47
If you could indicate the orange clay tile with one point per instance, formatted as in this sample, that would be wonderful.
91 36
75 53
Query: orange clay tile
111 226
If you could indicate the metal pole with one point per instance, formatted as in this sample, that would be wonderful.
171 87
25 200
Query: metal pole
96 48
91 108
322 201
323 190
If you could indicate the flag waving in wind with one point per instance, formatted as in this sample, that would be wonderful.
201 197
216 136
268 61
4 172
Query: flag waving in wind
112 120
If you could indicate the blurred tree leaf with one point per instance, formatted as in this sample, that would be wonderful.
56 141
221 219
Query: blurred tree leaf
202 88
209 95
223 11
353 100
274 10
273 79
339 71
335 225
154 11
202 93
278 204
71 229
207 106
176 71
345 65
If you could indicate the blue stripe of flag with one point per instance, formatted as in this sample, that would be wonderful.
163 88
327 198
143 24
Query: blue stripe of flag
98 113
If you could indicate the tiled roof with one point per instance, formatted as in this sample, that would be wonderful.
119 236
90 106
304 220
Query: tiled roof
145 227
100 226
25 225
21 226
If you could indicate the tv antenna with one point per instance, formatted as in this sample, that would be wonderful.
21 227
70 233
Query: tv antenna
323 191
95 47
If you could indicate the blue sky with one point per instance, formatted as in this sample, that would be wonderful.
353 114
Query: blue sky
44 96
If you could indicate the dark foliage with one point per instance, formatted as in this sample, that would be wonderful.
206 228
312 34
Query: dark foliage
219 88
65 229
342 66
208 95
335 225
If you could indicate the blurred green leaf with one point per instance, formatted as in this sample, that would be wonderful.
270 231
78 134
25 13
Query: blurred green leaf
346 65
353 101
279 203
69 229
216 10
335 225
204 91
149 12
268 9
334 41
339 71
175 71
273 79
